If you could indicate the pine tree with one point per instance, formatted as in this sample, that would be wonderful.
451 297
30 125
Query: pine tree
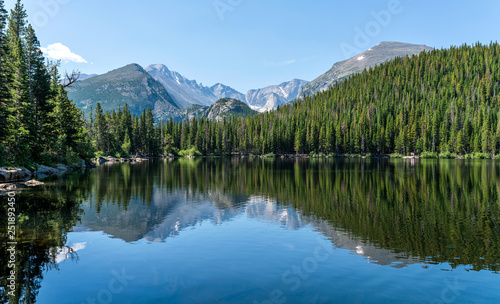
18 86
40 92
299 140
101 129
126 146
150 133
4 79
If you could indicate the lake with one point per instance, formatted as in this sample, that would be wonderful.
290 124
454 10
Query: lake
230 230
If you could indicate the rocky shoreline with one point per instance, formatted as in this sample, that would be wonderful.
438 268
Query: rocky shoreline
15 178
108 159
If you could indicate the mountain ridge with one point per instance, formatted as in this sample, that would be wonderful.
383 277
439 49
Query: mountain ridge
382 52
224 107
183 90
270 97
179 92
130 85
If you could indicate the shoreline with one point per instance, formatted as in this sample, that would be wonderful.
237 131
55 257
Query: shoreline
12 178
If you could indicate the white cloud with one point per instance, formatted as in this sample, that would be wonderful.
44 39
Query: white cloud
59 51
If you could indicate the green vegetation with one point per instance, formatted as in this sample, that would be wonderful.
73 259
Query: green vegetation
121 133
190 152
447 154
130 85
478 156
396 155
38 123
443 101
429 155
269 155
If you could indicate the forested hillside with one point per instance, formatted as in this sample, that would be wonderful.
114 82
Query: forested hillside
439 101
443 100
38 123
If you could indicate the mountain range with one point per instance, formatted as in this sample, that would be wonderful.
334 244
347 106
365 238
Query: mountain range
186 92
271 97
376 55
130 85
171 95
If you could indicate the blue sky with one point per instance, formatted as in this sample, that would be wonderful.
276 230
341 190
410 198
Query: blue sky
247 44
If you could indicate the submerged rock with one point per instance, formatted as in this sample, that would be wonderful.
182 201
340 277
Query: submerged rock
18 186
9 187
33 183
44 171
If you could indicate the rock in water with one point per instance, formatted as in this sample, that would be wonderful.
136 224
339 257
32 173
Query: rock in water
14 174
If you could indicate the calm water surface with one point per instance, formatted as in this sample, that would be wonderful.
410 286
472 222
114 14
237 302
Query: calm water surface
261 231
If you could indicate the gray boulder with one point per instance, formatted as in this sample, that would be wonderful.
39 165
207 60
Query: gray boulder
14 174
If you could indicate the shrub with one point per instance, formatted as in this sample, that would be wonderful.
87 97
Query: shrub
269 155
482 155
429 155
477 156
49 158
190 152
447 154
72 159
396 155
98 154
3 157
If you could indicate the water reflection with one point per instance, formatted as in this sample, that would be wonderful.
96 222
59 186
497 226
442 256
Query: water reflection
43 220
389 212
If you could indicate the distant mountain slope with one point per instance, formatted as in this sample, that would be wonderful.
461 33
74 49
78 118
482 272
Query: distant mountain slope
224 107
271 97
186 92
222 91
228 107
194 110
85 76
376 55
130 84
183 91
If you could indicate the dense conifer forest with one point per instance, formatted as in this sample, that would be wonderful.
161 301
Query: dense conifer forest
38 123
443 101
438 102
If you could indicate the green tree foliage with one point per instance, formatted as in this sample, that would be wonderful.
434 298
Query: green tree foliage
4 79
440 101
120 133
38 123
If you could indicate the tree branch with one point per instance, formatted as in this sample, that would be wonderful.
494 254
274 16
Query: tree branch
69 79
